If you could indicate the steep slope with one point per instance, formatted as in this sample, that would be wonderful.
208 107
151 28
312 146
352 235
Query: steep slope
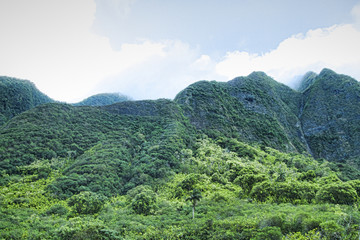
103 99
17 96
306 81
253 109
114 150
331 117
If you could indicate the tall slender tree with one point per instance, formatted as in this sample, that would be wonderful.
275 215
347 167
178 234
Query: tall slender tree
194 198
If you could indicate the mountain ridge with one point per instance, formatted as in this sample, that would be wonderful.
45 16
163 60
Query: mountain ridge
259 110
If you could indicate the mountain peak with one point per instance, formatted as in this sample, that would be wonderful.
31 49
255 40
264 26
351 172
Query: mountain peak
258 74
306 81
327 72
103 99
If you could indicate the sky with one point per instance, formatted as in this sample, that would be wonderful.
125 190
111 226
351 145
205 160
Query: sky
150 49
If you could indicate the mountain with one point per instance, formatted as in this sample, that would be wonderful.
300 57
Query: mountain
245 159
322 119
17 96
306 81
330 117
254 109
103 99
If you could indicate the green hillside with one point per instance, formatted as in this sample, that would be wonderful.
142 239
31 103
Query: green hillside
246 159
103 99
330 117
17 96
255 109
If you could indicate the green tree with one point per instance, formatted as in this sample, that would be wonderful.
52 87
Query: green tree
194 198
87 202
144 202
338 193
262 191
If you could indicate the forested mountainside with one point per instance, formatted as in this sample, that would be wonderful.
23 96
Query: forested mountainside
103 99
330 117
17 96
246 159
323 119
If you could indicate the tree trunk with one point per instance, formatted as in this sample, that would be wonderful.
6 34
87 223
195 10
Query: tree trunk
193 212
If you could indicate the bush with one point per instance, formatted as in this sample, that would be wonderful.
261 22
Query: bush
331 230
261 191
294 192
87 228
268 233
87 202
143 200
248 177
57 209
338 193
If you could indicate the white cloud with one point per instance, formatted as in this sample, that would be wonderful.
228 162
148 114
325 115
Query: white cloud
163 76
51 43
202 62
336 47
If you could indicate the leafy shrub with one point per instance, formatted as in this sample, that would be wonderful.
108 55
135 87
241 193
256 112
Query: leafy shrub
248 177
87 202
57 209
143 200
331 230
262 191
86 229
337 192
268 233
294 192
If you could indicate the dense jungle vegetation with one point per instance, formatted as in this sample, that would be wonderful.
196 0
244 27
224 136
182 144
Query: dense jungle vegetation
221 161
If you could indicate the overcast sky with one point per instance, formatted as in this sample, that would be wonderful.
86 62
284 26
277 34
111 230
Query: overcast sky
151 49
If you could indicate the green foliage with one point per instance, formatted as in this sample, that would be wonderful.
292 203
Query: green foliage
262 191
341 193
269 233
332 230
57 209
86 228
312 235
143 200
294 192
27 193
194 198
248 177
307 176
86 203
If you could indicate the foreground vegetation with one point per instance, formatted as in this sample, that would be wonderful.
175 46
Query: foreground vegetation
246 193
